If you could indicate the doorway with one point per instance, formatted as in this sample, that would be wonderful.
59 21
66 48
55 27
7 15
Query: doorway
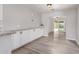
59 27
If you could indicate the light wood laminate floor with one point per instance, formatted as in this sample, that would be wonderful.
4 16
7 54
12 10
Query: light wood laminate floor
55 43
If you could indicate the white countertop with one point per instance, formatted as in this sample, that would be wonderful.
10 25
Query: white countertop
2 33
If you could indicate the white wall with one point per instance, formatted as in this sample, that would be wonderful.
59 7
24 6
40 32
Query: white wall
70 21
19 16
77 25
71 24
0 11
1 16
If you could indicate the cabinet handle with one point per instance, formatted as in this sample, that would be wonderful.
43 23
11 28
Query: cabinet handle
21 32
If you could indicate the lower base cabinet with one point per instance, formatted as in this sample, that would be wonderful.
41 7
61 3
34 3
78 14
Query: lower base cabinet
16 38
5 44
25 37
21 38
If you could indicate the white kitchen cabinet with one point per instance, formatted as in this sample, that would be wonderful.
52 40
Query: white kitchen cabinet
5 44
45 31
25 37
16 40
39 33
21 38
32 34
36 33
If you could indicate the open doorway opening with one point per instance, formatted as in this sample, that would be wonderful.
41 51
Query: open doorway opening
59 27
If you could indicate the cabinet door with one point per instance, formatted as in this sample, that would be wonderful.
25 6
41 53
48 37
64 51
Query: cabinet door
38 33
32 34
25 37
5 44
16 40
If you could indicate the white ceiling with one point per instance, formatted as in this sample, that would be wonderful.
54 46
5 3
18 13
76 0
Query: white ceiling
44 8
